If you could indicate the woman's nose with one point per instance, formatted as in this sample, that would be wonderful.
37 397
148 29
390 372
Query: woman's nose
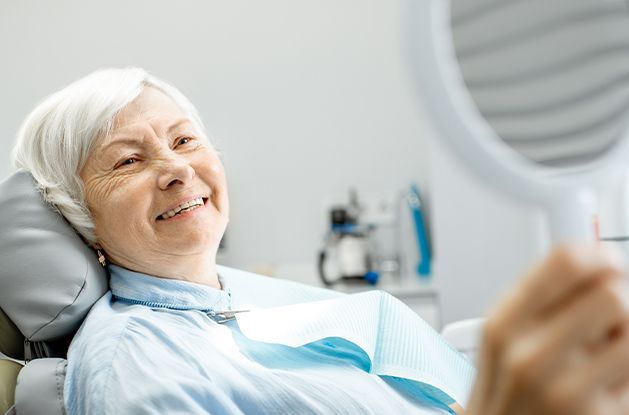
174 170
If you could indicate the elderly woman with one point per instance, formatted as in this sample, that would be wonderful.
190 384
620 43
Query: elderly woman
124 158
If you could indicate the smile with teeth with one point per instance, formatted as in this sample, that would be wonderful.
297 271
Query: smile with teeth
184 207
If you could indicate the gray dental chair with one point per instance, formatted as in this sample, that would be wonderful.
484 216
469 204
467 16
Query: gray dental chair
49 279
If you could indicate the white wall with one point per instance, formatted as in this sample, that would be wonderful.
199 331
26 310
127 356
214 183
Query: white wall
483 241
304 99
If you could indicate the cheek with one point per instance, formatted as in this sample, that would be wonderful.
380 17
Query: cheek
217 168
114 202
210 171
210 168
218 178
97 194
218 181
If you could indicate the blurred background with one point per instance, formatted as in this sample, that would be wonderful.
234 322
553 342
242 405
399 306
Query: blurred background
308 102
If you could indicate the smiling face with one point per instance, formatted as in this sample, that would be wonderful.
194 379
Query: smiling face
157 192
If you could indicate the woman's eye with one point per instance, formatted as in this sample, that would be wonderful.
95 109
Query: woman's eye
126 162
183 140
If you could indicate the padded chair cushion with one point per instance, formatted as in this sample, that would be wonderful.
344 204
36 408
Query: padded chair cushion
46 377
49 278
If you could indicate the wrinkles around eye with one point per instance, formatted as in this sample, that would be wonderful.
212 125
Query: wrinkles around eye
128 161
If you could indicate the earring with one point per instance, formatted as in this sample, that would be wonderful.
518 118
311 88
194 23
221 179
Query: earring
101 257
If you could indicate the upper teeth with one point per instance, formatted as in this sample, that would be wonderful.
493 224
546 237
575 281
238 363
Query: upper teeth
186 206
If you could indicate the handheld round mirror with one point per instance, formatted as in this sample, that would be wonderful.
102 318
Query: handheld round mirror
533 95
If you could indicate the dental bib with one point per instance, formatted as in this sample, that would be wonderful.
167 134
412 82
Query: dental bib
396 342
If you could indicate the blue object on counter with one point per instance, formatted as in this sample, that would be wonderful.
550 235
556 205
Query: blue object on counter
416 205
372 277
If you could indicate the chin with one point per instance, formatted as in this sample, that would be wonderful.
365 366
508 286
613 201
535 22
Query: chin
196 242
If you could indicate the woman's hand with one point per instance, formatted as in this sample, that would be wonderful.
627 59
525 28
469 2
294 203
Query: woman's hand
559 343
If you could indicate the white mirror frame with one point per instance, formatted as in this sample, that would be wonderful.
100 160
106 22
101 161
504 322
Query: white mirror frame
564 193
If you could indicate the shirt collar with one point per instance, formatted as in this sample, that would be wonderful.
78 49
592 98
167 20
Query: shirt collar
138 288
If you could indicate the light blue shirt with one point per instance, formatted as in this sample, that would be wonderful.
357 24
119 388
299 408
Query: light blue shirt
153 346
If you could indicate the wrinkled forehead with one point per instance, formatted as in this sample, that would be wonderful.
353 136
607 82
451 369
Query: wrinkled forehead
151 106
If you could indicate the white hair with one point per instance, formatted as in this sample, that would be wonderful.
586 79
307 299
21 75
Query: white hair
56 138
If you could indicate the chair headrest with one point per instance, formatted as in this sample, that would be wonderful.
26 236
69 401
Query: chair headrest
49 278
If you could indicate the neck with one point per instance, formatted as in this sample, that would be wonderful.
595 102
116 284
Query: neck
199 270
